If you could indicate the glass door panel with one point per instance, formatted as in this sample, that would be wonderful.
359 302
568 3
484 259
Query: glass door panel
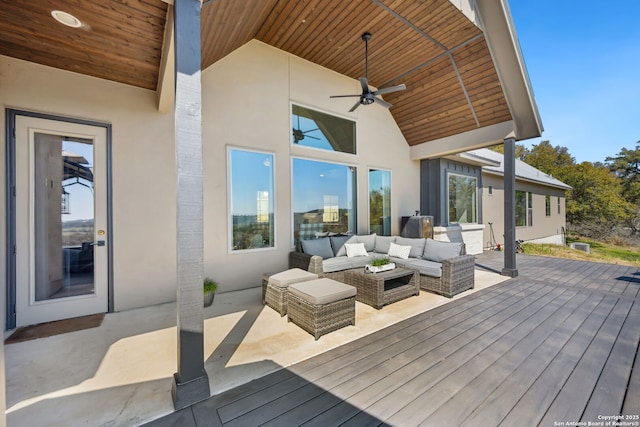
64 217
61 211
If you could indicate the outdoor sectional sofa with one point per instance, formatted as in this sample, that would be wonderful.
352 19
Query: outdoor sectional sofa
444 267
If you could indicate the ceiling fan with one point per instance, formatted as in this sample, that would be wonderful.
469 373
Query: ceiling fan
368 96
299 134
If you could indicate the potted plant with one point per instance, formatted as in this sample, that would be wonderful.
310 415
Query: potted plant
380 264
210 287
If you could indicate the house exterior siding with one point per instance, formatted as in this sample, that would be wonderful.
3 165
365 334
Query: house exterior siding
545 229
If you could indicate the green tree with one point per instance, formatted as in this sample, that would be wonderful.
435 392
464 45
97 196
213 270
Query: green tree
519 151
626 166
595 196
549 159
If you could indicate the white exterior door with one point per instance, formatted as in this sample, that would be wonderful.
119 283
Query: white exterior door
61 220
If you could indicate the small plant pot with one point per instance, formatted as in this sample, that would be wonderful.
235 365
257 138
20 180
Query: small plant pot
208 298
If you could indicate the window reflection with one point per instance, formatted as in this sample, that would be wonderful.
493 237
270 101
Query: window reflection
324 199
380 202
463 206
251 204
319 130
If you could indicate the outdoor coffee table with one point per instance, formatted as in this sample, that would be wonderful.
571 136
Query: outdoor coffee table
379 289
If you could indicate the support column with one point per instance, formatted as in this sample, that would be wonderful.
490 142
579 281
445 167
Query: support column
191 383
509 208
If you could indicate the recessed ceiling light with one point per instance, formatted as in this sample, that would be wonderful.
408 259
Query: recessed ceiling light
66 19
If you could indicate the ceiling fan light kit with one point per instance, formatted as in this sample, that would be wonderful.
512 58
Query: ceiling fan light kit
368 96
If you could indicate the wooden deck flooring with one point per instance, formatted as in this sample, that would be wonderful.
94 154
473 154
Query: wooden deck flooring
556 345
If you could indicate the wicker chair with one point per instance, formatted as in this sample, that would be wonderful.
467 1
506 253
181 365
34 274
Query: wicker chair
457 276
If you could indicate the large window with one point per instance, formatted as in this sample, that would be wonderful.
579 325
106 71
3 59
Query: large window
463 201
251 199
524 208
324 198
319 130
380 202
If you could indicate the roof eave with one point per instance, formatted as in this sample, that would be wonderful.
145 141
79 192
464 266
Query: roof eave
497 24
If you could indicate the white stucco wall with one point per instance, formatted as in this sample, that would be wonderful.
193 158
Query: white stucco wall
143 166
246 103
251 91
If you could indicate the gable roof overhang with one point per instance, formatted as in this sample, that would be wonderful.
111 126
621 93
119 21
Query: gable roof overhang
467 86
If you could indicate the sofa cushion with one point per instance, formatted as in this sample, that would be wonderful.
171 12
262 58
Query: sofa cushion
361 261
369 241
425 267
355 249
338 263
382 244
438 251
399 251
337 244
417 245
320 247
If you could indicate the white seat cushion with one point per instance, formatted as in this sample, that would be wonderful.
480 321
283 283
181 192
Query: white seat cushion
288 277
322 291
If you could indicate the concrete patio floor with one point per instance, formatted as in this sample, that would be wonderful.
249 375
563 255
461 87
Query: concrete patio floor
120 374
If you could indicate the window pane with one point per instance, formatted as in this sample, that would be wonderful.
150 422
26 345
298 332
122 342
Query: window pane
462 199
380 202
547 205
521 208
323 199
319 130
252 217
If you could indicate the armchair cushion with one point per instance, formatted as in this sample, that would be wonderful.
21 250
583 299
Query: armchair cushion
320 247
417 245
368 240
382 244
438 251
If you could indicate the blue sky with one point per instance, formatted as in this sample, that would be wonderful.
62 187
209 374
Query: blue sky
583 59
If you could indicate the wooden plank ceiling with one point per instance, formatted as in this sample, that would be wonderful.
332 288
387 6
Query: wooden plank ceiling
429 45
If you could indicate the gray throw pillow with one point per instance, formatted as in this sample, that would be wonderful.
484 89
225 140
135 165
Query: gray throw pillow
320 247
337 244
435 250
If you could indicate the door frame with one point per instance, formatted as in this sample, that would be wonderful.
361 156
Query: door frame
10 171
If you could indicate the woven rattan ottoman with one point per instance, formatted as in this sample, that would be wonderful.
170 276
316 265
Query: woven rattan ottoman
274 287
321 306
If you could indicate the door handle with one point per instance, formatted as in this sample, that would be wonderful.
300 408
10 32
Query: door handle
100 243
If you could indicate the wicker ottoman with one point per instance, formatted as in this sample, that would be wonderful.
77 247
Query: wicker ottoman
321 306
274 287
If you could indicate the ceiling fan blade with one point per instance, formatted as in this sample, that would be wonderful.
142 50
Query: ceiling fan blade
385 104
389 89
311 130
344 96
354 107
365 85
312 137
